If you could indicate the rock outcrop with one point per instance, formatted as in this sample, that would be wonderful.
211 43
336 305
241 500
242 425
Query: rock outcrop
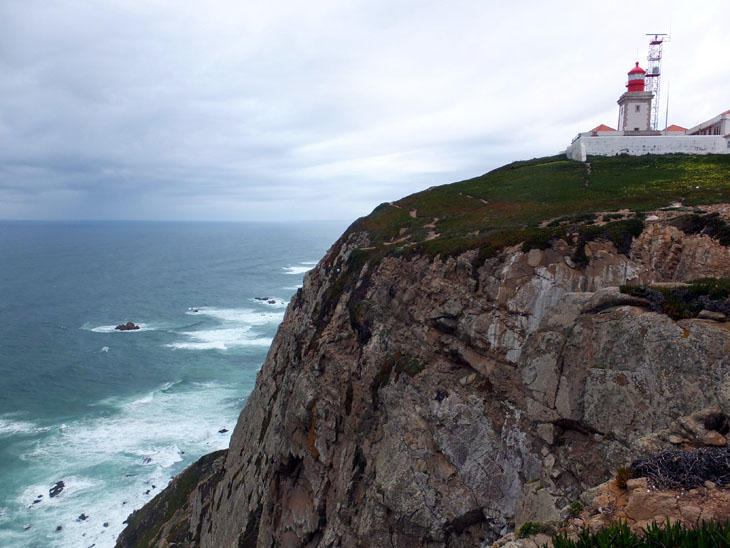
443 402
129 326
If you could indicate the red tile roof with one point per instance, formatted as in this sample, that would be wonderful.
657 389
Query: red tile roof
675 127
603 127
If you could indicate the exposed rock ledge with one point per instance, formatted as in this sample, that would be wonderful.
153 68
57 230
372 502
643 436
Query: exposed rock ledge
638 505
437 403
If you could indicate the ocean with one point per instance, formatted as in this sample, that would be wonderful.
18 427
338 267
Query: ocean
115 414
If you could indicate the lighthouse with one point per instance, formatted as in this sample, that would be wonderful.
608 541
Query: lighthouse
637 132
634 113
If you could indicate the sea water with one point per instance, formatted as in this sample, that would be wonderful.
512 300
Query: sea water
115 414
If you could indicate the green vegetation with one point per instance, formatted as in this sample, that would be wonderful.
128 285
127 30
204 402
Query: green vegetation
622 476
531 528
709 534
511 204
712 225
576 507
395 363
688 301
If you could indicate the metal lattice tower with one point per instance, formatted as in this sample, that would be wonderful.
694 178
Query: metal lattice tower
654 72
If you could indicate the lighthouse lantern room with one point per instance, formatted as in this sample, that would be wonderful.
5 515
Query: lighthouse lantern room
634 115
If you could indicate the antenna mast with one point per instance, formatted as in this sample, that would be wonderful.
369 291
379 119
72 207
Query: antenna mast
654 72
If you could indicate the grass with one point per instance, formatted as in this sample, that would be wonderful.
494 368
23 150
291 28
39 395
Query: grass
507 206
707 535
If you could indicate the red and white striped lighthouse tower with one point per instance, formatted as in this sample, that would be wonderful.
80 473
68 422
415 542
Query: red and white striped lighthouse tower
634 114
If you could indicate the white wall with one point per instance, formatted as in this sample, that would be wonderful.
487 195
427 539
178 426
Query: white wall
634 119
610 145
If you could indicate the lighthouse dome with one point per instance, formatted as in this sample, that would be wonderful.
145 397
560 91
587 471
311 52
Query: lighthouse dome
636 78
637 70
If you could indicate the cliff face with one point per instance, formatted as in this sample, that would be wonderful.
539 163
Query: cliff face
441 402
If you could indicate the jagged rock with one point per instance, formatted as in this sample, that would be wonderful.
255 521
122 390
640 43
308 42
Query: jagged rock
537 505
359 431
56 489
129 326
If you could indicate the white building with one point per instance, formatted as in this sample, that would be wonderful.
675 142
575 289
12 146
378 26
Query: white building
635 136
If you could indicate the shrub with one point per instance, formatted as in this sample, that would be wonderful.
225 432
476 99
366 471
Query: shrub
708 534
686 302
576 507
622 476
531 528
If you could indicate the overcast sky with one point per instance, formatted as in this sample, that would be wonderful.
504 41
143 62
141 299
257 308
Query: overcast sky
276 110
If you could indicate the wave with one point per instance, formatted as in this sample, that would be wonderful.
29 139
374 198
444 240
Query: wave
115 463
271 302
241 315
9 427
220 339
235 327
301 268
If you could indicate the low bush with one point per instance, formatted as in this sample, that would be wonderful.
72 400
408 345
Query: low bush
687 301
707 535
531 528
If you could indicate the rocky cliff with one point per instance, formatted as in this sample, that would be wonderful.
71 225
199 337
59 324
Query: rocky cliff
441 399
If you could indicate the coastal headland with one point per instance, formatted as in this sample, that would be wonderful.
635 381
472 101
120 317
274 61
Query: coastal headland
480 356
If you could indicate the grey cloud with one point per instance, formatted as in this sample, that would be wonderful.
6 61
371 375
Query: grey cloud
239 110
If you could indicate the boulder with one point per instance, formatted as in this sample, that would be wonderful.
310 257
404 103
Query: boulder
56 489
129 326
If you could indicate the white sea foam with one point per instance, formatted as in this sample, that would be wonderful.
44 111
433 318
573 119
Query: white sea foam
271 302
301 268
109 464
235 328
245 316
220 339
10 426
104 349
113 329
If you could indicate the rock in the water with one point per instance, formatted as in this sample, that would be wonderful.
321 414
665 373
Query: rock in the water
26 526
82 517
56 489
129 326
59 528
223 430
